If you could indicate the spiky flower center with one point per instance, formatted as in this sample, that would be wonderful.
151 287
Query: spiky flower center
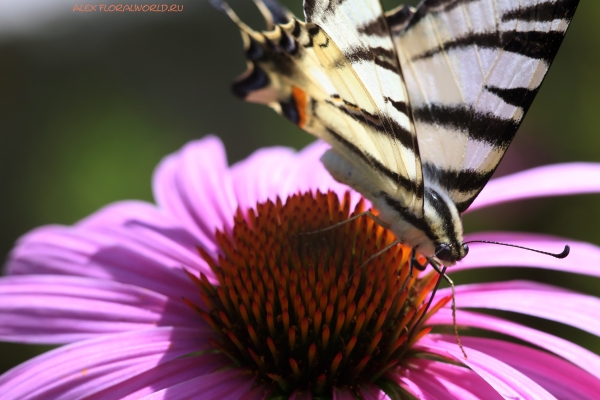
307 308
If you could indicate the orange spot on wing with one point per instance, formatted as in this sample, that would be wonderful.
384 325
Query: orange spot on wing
301 103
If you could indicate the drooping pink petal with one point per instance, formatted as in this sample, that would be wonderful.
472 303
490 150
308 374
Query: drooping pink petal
583 258
578 355
88 367
455 376
507 381
54 309
549 180
413 388
78 251
559 377
162 376
230 384
194 186
439 380
151 232
536 299
424 388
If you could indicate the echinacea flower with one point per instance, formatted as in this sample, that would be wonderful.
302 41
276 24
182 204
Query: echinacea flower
232 288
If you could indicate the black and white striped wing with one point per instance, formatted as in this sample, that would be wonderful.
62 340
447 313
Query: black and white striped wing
337 76
472 69
354 46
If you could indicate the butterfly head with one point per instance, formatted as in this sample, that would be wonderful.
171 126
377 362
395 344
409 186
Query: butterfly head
449 253
442 226
437 233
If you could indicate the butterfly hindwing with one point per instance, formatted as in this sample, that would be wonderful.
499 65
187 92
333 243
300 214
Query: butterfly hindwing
361 60
340 94
472 69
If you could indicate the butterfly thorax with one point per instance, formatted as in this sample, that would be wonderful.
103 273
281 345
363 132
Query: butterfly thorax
437 232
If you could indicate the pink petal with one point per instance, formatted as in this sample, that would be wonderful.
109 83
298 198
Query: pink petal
80 252
439 380
151 232
550 180
259 177
413 388
88 367
167 195
455 377
559 377
308 173
583 258
230 384
543 301
194 186
273 172
433 389
507 381
60 309
162 376
578 355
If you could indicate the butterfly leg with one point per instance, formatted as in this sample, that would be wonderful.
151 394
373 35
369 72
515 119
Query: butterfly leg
378 221
414 262
367 213
380 252
442 274
374 256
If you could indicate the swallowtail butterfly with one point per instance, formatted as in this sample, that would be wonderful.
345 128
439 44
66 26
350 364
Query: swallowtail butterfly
418 104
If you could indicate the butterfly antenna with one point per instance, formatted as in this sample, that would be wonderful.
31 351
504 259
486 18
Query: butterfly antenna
563 254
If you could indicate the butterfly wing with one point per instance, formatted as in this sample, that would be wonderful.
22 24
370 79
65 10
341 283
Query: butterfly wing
354 46
340 85
472 69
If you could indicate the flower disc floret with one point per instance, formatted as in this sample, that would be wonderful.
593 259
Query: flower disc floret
310 308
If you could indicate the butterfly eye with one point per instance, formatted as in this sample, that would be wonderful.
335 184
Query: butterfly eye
443 252
465 249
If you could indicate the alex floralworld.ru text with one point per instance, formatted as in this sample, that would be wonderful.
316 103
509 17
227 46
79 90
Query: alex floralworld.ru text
128 8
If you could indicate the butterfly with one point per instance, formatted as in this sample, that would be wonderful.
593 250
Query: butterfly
418 104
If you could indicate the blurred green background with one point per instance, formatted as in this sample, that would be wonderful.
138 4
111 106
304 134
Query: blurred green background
91 102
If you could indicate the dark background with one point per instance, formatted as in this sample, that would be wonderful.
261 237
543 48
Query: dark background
90 103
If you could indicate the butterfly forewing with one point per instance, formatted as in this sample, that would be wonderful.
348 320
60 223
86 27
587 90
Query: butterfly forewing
472 69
